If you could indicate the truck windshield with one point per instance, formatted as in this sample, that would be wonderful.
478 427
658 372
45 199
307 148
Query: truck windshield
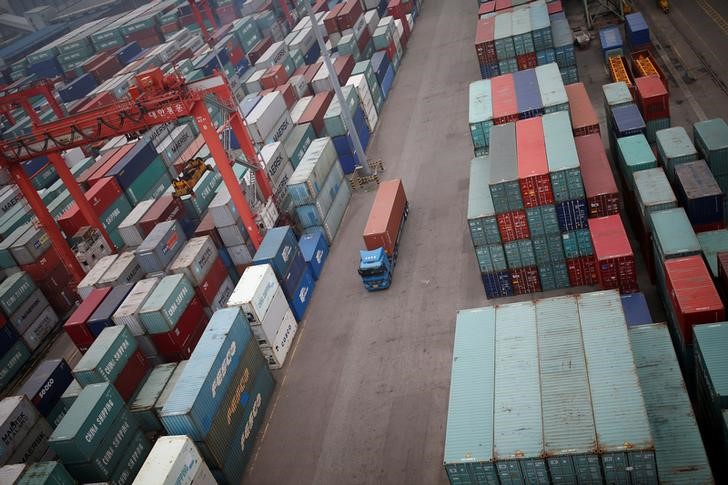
371 271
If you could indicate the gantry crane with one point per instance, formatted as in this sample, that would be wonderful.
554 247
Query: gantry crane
154 98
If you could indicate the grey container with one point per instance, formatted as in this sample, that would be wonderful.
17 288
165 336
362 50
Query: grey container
29 311
711 139
46 472
481 213
17 417
129 229
518 426
505 190
169 387
161 246
551 88
142 407
627 451
11 474
30 246
14 291
679 448
195 259
71 393
128 312
563 161
310 175
673 148
469 440
87 284
166 304
126 269
653 193
34 445
568 420
41 327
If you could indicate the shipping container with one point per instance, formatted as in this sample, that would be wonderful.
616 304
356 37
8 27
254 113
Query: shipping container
46 472
174 460
600 188
674 147
314 249
636 312
88 283
551 87
505 104
533 168
309 177
504 186
481 211
101 317
14 291
196 259
634 154
652 193
528 96
124 270
17 418
76 326
389 210
46 384
160 247
700 195
652 98
106 357
142 407
166 303
614 258
712 244
711 139
584 119
562 157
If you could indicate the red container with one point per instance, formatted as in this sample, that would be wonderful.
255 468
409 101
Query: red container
180 342
311 72
526 61
386 217
584 119
652 98
343 66
259 50
166 208
513 226
638 55
485 41
555 7
602 197
55 280
363 39
101 195
533 168
582 271
331 19
321 6
391 50
83 178
505 105
43 266
170 28
614 257
692 294
487 7
274 76
349 14
525 280
112 157
94 61
132 375
209 287
316 110
289 94
76 327
106 69
503 5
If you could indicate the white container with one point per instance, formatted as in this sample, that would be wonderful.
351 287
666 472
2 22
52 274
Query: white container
129 229
365 99
276 353
304 40
88 282
223 209
10 197
29 311
281 129
300 86
265 331
174 460
195 259
262 120
40 328
273 55
300 107
252 84
275 161
128 312
321 82
172 147
279 188
371 17
255 291
17 417
30 246
240 254
234 235
222 295
125 270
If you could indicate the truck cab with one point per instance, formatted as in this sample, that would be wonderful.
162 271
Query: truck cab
375 269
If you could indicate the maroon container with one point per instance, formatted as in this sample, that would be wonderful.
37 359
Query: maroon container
43 266
652 98
226 14
101 195
166 208
583 117
209 287
274 76
364 39
315 112
599 184
311 72
289 94
582 271
94 61
526 61
181 341
259 49
343 66
76 327
525 280
513 226
132 376
331 21
170 28
349 14
55 280
386 217
614 257
485 41
106 69
321 6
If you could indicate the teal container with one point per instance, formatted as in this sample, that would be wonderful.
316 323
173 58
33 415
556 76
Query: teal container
634 154
712 243
146 181
541 250
711 140
296 60
141 23
298 142
142 408
11 221
491 258
204 192
112 217
46 177
377 96
546 275
481 213
15 290
365 67
672 237
332 120
653 126
166 304
74 44
110 451
561 275
87 423
163 183
71 394
535 222
12 362
6 258
519 253
46 473
43 54
57 414
674 148
480 112
563 161
60 204
571 245
76 55
132 460
556 248
106 357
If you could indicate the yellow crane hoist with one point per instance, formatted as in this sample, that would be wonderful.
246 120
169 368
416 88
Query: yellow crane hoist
618 70
664 5
192 171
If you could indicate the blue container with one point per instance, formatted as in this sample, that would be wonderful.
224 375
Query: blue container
528 96
101 317
295 272
278 248
699 193
636 29
388 80
126 54
302 295
8 337
196 398
133 163
342 144
636 311
46 69
610 39
380 64
47 384
546 56
627 120
78 88
314 250
31 167
313 53
249 102
497 285
571 215
488 71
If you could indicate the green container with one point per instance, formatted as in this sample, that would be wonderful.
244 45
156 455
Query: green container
60 204
542 220
71 394
42 54
166 304
519 253
46 473
673 235
106 34
712 243
46 177
481 213
674 148
82 53
546 275
15 290
556 248
87 423
297 58
298 142
577 243
491 258
146 181
653 126
112 217
109 44
142 408
12 362
332 120
711 139
634 154
163 183
480 113
561 275
132 460
110 451
204 193
12 221
289 64
106 357
146 21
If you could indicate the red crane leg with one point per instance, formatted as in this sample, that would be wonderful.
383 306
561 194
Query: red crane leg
78 196
246 144
46 220
286 12
209 133
208 13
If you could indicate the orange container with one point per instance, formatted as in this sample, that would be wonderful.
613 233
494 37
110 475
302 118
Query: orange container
386 217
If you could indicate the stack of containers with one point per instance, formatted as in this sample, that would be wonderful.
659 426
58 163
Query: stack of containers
654 104
711 408
25 431
278 168
674 147
160 247
700 195
280 250
318 190
98 439
142 407
168 208
231 229
262 300
127 314
480 115
129 229
610 39
174 459
76 325
636 31
221 396
564 48
711 140
624 120
314 249
41 472
583 117
600 188
45 387
633 154
714 244
174 317
113 357
338 132
614 260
